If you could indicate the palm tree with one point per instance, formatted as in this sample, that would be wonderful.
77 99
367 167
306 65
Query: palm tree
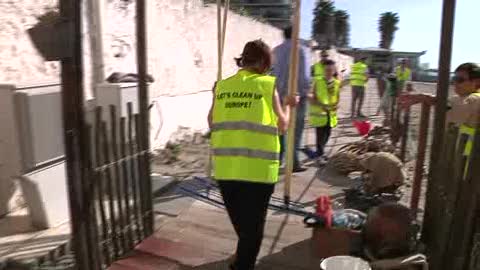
322 29
387 26
342 28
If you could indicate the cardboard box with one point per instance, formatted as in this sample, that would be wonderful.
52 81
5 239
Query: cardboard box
334 242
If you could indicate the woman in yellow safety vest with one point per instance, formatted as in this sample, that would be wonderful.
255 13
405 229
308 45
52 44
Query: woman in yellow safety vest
245 119
464 109
403 74
324 100
358 81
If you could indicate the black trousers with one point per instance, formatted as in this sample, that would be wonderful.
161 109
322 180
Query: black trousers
247 205
323 134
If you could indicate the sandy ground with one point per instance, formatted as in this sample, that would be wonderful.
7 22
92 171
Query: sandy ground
186 220
188 154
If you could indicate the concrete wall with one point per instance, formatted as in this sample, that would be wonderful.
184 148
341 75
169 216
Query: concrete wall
182 51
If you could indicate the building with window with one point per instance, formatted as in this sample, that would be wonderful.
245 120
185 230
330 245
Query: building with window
275 12
386 60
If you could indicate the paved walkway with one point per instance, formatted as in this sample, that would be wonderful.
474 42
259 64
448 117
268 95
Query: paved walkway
194 234
198 235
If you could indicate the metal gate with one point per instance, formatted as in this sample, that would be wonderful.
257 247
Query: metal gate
108 167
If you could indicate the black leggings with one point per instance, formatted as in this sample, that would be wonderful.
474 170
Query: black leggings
247 205
323 134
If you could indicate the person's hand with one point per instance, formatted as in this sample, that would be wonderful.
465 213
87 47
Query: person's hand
292 101
282 127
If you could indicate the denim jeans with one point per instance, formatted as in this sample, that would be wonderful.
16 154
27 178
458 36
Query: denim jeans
299 127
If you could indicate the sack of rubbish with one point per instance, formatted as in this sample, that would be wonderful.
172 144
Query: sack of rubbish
347 219
382 171
411 262
390 232
357 198
350 219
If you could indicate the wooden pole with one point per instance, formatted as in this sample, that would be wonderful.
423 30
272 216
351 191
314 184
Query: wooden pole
405 127
221 34
292 90
448 21
224 31
143 100
219 39
94 18
422 147
73 123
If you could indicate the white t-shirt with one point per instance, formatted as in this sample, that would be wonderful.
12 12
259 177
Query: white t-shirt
464 110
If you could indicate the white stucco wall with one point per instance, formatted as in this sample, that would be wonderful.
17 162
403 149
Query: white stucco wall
182 51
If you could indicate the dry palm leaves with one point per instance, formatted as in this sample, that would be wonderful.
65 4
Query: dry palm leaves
346 160
379 130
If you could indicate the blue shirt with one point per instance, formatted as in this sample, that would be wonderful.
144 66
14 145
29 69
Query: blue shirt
281 69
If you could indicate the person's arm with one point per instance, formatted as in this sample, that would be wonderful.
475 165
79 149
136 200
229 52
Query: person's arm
337 104
210 112
283 113
314 98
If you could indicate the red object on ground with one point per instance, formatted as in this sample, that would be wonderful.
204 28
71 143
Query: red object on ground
363 127
324 209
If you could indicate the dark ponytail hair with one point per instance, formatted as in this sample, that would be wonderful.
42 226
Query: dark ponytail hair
256 54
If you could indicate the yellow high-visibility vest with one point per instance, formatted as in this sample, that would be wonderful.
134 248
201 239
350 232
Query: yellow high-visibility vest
244 140
403 75
470 133
318 70
358 75
327 93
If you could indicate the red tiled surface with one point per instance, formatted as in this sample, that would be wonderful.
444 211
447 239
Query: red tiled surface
143 261
182 253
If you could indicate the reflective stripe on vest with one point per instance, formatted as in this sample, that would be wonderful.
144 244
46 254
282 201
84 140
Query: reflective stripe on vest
470 132
244 125
246 153
403 75
244 141
327 94
358 74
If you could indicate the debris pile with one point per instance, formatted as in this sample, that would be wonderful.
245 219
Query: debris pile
185 154
348 157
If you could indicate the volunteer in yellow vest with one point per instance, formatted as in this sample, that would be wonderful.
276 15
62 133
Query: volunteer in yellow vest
246 118
358 81
324 100
403 74
318 69
464 109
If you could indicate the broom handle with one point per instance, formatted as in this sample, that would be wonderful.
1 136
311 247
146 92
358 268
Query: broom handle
221 33
292 90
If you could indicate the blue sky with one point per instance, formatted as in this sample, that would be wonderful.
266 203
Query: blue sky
419 27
